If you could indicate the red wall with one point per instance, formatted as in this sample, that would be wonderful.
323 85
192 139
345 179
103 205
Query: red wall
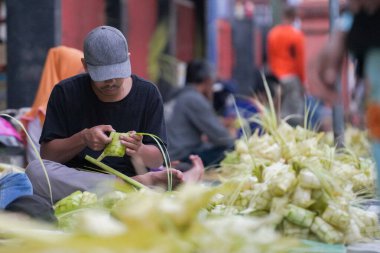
141 21
78 18
185 41
224 49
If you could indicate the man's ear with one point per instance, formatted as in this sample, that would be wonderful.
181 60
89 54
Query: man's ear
84 64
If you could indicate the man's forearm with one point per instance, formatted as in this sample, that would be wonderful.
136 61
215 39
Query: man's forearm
62 150
151 156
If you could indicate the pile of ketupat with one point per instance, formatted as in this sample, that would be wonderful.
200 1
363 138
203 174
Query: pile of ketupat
143 221
316 190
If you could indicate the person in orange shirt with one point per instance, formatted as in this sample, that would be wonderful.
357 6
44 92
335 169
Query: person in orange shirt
285 48
61 62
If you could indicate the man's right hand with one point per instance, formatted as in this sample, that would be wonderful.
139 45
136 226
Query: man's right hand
160 178
96 138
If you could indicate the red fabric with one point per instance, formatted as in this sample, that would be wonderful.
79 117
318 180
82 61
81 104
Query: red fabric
280 39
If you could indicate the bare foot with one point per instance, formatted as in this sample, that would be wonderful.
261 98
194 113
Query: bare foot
196 172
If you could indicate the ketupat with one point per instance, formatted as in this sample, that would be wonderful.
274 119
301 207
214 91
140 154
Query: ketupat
292 230
302 197
308 179
69 203
367 222
261 198
156 233
109 199
243 200
353 234
336 216
326 232
98 222
282 183
299 216
114 148
74 201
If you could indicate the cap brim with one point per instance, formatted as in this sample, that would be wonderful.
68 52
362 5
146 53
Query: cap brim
102 73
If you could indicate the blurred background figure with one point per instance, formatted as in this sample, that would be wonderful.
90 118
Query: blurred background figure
286 60
357 32
249 106
61 62
193 126
11 143
13 184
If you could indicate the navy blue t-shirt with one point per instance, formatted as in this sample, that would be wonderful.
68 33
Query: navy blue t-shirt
73 106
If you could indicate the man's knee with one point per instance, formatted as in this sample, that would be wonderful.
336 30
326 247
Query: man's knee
34 169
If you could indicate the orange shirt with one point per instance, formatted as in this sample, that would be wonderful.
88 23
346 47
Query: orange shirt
286 51
61 62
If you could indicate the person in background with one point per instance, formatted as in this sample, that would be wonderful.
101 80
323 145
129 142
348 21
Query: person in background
222 91
16 195
357 32
286 59
251 105
193 126
61 62
13 184
83 110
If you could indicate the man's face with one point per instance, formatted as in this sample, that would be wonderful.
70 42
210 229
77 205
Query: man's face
109 88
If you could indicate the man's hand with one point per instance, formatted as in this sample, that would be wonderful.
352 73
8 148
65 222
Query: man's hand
149 153
96 138
160 178
132 142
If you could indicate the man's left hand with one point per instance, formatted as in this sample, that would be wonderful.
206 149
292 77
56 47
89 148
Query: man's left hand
132 142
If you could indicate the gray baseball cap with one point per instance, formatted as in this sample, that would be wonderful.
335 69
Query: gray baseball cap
106 54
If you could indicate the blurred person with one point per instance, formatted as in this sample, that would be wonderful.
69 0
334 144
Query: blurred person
16 195
13 184
61 62
286 59
193 126
253 104
222 90
13 181
357 32
82 110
